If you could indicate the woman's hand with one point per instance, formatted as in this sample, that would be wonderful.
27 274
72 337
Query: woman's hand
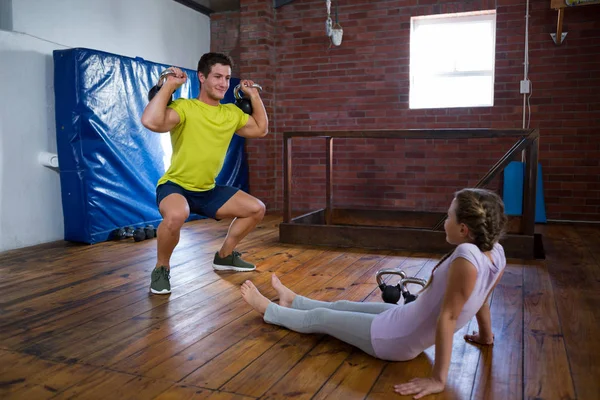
420 387
480 339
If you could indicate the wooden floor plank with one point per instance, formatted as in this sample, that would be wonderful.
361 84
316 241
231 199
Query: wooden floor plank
546 368
181 327
500 373
145 313
182 392
178 366
394 373
576 284
340 265
27 377
272 365
353 378
115 301
119 385
75 298
98 260
77 321
311 372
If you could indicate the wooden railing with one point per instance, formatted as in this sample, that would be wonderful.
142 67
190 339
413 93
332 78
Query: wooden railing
527 141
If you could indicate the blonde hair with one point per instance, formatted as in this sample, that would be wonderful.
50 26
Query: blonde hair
482 211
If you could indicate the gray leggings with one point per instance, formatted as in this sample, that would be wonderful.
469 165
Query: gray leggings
348 321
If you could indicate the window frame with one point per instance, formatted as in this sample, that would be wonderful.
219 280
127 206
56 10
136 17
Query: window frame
446 19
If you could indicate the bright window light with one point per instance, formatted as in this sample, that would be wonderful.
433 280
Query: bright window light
452 60
165 143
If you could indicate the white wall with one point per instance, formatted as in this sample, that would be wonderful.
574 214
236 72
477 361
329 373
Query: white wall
157 30
30 207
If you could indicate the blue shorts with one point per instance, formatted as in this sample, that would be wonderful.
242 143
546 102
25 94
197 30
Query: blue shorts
203 203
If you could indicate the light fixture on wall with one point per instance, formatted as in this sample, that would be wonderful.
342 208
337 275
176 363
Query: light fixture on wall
334 31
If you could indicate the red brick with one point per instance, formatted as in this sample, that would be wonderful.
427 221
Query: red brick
363 84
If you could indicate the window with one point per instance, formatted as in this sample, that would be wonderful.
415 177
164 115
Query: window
452 60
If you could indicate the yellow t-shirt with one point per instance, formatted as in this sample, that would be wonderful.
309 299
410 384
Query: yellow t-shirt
200 142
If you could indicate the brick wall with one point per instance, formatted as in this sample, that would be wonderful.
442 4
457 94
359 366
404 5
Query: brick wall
363 84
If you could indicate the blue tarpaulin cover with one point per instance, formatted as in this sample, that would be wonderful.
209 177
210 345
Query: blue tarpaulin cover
109 162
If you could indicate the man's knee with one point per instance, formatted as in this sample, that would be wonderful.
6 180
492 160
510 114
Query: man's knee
255 209
175 220
175 211
259 209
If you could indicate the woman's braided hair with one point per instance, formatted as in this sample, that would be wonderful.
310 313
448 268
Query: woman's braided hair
482 211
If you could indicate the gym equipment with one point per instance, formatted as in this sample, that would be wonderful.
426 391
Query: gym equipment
391 293
138 234
150 231
92 132
244 103
161 81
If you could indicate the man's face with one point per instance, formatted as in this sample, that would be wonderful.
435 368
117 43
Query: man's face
216 83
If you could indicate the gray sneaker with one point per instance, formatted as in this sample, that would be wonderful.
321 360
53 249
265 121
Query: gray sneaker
160 283
232 262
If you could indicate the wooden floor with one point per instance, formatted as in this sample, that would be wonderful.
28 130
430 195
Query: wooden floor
78 322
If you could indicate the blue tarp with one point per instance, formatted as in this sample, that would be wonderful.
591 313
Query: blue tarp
109 162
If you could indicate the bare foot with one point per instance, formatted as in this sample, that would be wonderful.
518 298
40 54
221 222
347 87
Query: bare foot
253 297
286 296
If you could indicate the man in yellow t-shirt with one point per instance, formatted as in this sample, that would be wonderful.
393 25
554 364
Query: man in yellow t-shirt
201 130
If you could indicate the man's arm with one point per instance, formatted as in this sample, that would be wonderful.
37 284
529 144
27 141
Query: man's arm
157 116
258 123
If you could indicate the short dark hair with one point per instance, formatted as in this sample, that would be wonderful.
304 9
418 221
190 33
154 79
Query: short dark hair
209 59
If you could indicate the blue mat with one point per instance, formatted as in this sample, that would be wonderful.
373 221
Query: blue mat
514 175
109 163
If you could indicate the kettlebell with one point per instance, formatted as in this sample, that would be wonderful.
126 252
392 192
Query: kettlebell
391 294
243 103
161 81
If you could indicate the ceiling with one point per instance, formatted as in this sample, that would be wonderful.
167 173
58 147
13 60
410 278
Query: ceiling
210 6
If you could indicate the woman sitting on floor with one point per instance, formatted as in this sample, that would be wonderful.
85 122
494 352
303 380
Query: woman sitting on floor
458 289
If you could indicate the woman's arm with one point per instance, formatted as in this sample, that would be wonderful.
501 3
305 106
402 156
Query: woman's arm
461 281
485 335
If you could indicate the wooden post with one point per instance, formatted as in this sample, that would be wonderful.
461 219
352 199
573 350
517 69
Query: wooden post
287 178
328 179
529 188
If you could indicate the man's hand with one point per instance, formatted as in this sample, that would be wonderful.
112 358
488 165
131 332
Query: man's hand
246 86
176 80
480 339
420 387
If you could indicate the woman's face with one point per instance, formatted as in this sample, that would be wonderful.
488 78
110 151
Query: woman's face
456 233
